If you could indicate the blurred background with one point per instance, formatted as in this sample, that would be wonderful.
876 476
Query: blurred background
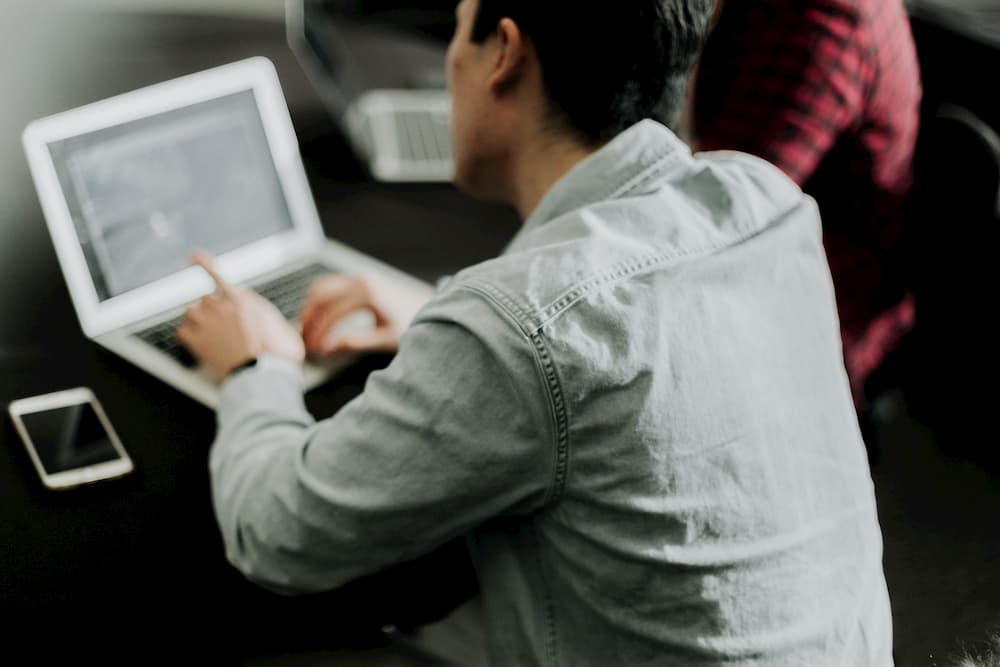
261 8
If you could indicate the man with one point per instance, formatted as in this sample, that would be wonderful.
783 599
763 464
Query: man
829 91
638 413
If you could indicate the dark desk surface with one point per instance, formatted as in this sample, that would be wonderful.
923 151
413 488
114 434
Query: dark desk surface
145 549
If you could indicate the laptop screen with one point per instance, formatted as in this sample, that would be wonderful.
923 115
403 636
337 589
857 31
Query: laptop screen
144 194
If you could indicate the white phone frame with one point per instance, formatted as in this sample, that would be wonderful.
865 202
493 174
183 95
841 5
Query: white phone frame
77 476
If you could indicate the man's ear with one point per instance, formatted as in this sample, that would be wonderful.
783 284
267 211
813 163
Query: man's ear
511 58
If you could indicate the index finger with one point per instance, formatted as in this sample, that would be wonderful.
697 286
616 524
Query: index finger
205 261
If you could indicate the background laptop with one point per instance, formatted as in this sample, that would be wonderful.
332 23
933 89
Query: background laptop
378 66
130 185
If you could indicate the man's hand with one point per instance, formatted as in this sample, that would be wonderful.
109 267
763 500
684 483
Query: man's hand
332 299
233 325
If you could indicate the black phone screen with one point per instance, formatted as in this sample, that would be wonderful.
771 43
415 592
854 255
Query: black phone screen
69 437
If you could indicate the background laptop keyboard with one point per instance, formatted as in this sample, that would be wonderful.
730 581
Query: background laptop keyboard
423 135
287 292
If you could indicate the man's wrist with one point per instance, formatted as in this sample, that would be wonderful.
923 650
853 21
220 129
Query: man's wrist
267 362
239 368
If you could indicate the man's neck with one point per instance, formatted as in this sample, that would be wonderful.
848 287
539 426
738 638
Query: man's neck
542 163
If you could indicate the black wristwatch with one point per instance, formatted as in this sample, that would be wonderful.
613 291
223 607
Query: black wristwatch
249 363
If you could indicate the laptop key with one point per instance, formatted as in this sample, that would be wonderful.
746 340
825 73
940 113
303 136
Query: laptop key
163 337
288 293
180 353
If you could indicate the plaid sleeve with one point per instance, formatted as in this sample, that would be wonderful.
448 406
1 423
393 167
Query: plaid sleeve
781 80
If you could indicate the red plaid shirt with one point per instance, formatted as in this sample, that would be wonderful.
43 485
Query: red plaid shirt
829 91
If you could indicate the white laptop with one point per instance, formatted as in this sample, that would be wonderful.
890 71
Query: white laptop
385 86
129 186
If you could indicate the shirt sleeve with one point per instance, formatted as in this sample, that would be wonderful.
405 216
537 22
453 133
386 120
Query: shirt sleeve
781 81
455 431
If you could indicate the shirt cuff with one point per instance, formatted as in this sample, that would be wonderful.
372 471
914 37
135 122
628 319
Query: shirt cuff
267 362
272 380
269 375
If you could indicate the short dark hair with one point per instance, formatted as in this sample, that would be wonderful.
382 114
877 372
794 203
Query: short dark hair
607 65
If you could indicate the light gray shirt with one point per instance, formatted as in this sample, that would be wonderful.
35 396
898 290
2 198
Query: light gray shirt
638 414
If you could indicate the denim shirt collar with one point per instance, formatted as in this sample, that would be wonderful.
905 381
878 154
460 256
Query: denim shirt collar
621 166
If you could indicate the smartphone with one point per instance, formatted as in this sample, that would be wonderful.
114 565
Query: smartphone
69 438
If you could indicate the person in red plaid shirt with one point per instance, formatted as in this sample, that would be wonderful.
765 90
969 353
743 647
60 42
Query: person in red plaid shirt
829 91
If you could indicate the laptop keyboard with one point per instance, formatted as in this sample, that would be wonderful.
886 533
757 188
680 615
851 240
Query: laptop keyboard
163 336
423 135
287 293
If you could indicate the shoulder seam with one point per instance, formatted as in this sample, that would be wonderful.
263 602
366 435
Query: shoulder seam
558 413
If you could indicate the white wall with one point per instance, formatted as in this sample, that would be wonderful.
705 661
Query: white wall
266 8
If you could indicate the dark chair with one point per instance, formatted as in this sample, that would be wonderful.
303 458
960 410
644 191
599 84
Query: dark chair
954 256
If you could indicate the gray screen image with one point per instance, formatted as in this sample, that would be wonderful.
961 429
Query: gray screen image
144 194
